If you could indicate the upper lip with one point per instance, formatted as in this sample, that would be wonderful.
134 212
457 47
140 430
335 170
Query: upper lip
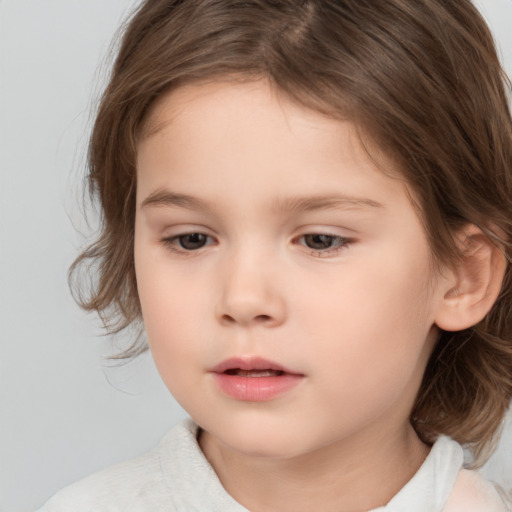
251 363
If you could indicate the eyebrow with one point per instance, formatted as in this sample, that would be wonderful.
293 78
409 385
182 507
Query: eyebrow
299 204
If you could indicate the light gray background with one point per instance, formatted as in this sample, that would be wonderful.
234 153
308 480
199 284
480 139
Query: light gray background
64 412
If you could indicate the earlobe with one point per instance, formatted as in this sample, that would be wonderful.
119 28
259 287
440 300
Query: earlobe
473 282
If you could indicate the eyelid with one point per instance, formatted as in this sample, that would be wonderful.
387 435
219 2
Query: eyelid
171 241
343 243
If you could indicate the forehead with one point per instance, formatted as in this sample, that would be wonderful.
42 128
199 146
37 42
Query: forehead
224 132
225 95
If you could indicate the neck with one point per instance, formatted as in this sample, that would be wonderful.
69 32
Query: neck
354 475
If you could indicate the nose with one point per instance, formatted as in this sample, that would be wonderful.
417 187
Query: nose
250 292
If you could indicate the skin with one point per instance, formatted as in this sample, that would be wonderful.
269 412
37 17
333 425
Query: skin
357 319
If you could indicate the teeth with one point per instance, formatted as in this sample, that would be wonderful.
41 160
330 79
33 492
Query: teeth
254 373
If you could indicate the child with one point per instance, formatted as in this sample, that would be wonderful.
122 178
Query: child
309 205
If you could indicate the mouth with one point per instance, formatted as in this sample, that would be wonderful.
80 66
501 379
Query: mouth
252 367
254 379
253 373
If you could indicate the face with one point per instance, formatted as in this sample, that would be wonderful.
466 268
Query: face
285 281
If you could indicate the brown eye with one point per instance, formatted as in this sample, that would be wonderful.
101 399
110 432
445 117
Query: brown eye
320 242
192 241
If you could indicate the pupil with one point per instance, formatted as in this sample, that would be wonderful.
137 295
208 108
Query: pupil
319 241
192 241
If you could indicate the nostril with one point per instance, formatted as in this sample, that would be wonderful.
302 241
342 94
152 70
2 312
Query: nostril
228 319
262 318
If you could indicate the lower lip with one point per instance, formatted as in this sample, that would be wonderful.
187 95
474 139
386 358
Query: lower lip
256 389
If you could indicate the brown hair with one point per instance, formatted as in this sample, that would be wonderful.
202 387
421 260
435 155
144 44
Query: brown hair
421 79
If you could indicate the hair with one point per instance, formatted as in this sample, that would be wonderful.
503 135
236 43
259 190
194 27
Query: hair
420 79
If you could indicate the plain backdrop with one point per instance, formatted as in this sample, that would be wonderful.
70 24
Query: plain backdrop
65 412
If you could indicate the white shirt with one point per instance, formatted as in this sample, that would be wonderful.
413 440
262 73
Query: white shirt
176 477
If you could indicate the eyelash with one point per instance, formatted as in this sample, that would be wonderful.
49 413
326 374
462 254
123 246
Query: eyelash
173 244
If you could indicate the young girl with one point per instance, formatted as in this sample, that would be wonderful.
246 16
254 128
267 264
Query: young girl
309 207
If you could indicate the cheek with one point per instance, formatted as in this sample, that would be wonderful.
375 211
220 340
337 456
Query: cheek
376 322
171 309
371 299
171 323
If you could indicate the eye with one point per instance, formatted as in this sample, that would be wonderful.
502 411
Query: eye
187 242
323 244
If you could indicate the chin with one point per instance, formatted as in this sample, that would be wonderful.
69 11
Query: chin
265 447
260 439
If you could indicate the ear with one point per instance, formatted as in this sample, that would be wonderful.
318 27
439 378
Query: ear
472 285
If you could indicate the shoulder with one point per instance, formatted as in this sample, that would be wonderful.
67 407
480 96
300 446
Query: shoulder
111 489
135 485
175 476
472 493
